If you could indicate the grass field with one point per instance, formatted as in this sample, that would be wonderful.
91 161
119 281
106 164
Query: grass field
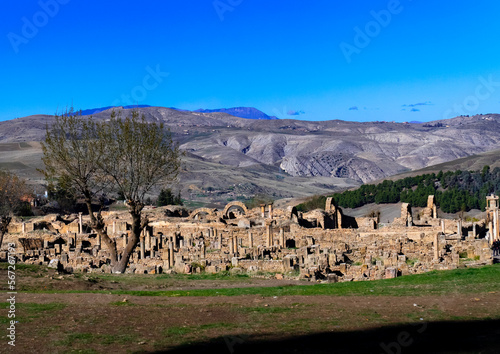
89 313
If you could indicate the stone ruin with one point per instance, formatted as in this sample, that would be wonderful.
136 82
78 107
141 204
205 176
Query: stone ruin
321 244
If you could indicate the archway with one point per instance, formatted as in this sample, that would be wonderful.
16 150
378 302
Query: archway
198 211
234 205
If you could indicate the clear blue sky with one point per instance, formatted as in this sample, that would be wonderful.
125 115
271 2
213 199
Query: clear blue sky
294 58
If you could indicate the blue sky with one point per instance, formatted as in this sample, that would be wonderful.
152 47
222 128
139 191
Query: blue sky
407 60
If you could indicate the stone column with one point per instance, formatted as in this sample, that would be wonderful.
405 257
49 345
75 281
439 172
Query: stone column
263 210
78 247
474 230
270 211
442 226
147 241
203 252
269 235
24 228
219 237
490 228
434 212
235 246
170 254
282 237
250 239
436 246
231 245
80 223
125 240
459 228
143 246
495 225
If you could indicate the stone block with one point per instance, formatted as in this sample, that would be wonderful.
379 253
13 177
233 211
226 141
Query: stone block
391 273
332 278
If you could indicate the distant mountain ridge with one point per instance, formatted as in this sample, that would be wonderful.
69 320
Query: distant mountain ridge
88 112
241 112
360 151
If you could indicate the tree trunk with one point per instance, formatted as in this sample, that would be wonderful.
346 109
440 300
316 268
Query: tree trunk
97 223
4 224
138 224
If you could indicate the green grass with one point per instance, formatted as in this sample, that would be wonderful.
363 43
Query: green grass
194 204
36 309
185 335
27 312
224 275
411 262
468 280
122 303
125 281
265 309
118 207
176 331
78 339
24 267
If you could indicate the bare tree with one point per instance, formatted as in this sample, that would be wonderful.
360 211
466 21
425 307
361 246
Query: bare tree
129 156
13 194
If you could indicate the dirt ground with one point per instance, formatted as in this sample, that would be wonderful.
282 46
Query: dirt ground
53 320
85 322
49 279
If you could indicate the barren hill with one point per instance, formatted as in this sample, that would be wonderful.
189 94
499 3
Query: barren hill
285 149
469 163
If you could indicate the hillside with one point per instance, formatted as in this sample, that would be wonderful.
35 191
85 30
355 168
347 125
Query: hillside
286 151
242 112
468 163
201 182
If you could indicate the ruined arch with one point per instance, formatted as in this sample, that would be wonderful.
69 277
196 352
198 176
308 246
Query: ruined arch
330 205
236 204
202 210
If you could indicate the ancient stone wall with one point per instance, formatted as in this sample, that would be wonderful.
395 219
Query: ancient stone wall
313 245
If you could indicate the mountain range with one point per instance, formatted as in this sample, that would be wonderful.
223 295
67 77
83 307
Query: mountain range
237 157
242 112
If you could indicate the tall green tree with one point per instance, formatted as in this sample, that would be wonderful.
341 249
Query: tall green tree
166 197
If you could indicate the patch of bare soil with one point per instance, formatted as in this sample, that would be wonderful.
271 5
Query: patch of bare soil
51 280
119 323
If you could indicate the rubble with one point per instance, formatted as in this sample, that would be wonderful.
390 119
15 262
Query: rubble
319 245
